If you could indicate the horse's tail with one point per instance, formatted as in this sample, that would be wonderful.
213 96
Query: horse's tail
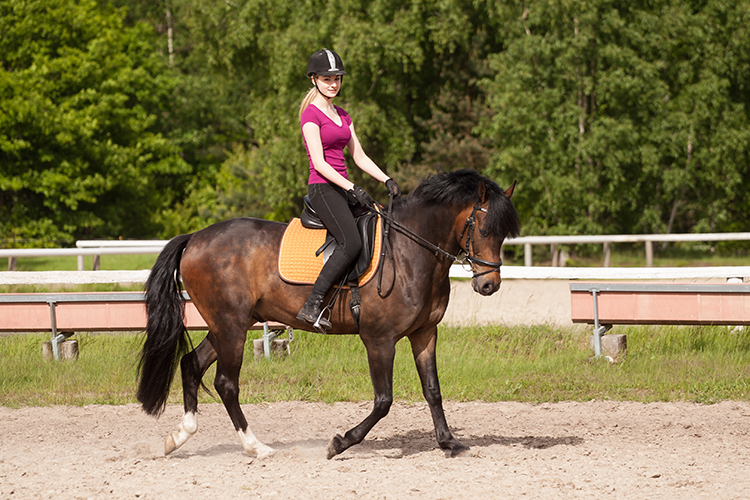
166 336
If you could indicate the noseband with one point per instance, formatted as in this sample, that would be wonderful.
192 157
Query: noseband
468 229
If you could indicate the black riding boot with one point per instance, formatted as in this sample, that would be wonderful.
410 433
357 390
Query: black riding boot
337 263
311 311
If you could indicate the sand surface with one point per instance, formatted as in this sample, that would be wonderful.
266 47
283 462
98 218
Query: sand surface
564 450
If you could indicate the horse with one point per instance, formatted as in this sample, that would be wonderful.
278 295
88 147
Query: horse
229 270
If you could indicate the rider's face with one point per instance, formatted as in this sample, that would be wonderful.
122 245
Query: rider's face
329 86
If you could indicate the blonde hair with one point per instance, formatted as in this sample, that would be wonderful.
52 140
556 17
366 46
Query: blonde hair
307 100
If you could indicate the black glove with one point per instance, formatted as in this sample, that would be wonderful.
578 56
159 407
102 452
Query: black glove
360 196
393 188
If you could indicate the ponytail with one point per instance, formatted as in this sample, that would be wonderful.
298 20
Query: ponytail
307 100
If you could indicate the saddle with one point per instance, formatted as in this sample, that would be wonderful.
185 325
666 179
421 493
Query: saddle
307 244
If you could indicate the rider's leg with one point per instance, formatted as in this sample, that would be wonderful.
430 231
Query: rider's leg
331 205
333 269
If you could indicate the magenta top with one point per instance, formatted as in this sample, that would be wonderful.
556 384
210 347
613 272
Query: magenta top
334 139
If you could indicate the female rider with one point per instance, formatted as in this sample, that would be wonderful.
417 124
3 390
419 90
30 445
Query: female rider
326 130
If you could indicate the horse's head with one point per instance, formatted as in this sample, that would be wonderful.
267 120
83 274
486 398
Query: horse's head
481 230
484 217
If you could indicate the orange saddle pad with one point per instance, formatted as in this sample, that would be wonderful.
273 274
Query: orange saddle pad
298 263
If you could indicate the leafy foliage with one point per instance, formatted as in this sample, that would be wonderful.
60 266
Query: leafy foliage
81 98
623 117
140 118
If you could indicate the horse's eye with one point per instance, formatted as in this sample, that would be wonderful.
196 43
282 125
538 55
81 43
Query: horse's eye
483 233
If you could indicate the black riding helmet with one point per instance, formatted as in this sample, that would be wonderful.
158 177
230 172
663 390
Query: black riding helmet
325 63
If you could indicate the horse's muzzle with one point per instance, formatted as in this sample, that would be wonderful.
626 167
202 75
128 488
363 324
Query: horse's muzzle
486 285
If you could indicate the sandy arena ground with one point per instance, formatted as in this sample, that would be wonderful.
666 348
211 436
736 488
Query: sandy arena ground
590 450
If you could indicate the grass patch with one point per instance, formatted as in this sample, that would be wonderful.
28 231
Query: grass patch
106 263
530 364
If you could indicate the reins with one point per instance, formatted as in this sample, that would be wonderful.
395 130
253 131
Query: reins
386 248
467 258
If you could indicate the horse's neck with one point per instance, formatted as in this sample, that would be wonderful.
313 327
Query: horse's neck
435 225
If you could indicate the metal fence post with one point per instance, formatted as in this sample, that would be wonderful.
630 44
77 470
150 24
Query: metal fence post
597 328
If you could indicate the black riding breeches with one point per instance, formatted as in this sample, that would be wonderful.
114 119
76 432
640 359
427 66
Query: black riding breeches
332 206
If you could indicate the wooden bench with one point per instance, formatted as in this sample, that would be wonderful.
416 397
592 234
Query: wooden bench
64 314
608 304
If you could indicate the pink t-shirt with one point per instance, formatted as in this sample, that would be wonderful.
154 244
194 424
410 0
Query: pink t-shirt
334 139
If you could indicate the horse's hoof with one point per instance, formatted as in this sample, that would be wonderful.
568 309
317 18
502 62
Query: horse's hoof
334 447
460 451
264 452
169 445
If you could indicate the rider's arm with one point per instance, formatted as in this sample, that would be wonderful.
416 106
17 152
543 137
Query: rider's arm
311 132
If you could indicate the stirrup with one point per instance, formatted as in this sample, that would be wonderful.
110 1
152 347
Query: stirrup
317 324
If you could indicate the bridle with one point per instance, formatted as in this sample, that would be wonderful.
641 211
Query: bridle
466 258
469 227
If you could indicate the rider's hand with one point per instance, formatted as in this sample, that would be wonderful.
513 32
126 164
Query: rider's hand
393 188
360 196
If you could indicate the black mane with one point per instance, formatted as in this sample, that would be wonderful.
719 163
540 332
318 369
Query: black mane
460 188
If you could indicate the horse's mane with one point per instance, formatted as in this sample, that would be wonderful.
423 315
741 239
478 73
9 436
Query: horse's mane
460 188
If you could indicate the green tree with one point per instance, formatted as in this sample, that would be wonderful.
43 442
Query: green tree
703 137
570 93
149 118
622 117
80 100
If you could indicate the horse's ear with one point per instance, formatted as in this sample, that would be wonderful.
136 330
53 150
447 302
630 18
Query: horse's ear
482 192
509 191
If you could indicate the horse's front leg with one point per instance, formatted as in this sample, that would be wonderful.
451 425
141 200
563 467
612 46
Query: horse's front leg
380 355
423 344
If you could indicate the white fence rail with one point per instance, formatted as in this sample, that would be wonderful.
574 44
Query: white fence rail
126 247
608 239
72 277
96 248
12 254
613 273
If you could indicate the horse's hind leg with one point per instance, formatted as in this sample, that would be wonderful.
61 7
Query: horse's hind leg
380 355
193 366
423 345
229 363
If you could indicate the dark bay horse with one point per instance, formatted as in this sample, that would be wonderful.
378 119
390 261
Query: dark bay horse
230 271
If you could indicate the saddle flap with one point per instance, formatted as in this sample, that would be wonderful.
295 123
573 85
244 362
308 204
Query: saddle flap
309 218
366 226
